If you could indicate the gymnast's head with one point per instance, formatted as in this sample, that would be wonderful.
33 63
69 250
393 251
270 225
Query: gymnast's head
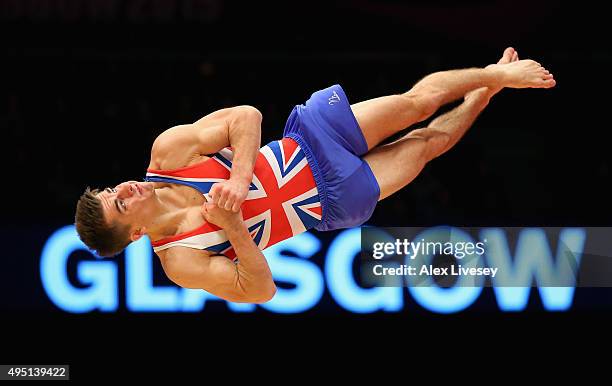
107 221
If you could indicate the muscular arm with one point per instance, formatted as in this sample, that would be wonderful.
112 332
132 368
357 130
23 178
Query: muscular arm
244 131
239 127
244 135
249 281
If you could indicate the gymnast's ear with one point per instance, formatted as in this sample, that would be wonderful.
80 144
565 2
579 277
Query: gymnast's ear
138 233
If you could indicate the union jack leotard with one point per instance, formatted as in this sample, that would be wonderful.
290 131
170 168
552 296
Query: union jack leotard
282 202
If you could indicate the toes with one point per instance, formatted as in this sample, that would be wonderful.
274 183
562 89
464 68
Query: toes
507 56
547 76
515 57
549 83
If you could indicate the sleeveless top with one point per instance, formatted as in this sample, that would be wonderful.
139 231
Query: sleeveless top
282 201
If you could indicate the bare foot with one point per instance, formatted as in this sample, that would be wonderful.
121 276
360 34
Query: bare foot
523 74
510 55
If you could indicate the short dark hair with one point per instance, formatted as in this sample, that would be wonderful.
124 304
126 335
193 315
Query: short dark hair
101 237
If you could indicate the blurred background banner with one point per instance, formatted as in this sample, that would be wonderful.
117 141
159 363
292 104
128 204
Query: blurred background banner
86 86
317 274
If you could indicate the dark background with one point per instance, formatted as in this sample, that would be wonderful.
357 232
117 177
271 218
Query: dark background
86 86
86 91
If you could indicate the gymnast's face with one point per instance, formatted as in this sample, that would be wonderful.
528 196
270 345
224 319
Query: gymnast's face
129 203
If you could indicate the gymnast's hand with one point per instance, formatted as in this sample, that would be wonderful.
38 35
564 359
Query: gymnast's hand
221 217
229 194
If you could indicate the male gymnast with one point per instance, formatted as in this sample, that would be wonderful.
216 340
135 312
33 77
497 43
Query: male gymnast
213 199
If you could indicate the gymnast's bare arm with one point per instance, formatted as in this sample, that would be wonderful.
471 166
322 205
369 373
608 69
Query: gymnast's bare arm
248 281
239 127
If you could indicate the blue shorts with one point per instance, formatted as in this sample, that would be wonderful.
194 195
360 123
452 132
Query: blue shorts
328 132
